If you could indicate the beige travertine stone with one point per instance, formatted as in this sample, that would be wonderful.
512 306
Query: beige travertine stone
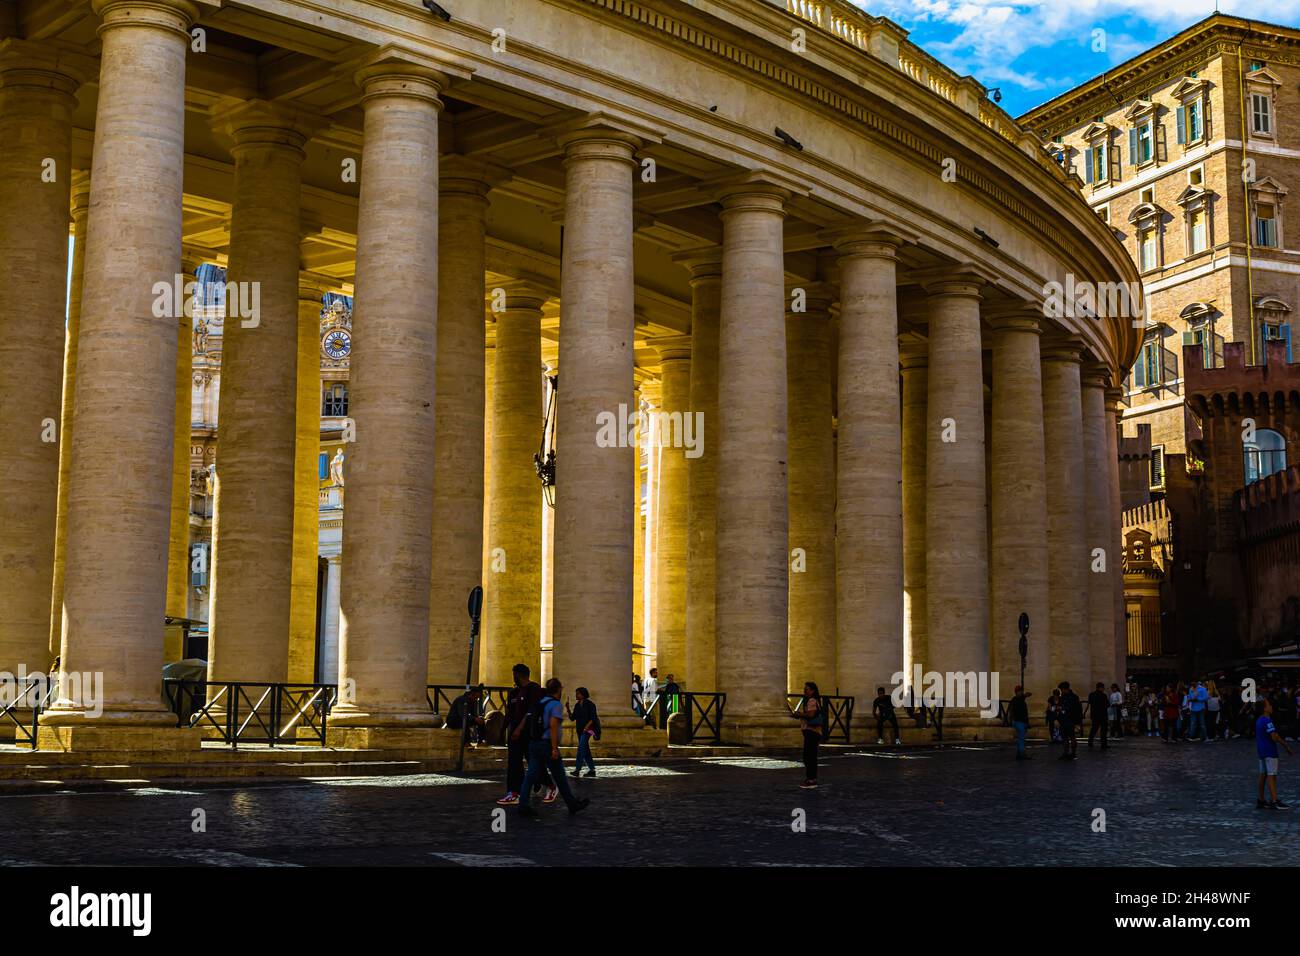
120 487
1067 554
80 214
646 449
253 522
752 510
956 531
36 104
513 585
459 419
306 481
384 638
1018 496
1119 627
869 511
914 366
811 489
1098 465
593 545
489 373
638 557
705 266
670 525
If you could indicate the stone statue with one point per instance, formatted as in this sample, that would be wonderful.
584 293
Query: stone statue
201 337
336 468
210 481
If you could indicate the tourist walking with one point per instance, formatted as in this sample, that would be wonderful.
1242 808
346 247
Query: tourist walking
522 701
1169 716
1071 717
883 710
1266 743
546 726
1116 714
1052 716
586 724
1098 706
812 722
1020 720
1196 698
1150 713
1213 707
638 703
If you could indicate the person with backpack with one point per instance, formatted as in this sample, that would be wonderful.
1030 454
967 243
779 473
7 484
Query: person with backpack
813 723
883 708
546 725
587 725
521 701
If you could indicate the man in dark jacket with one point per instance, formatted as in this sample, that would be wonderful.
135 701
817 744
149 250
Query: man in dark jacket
1020 720
1098 705
525 698
1071 718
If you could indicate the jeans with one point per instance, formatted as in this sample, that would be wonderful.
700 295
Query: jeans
811 741
516 755
539 762
1102 725
881 720
1022 728
584 753
1197 723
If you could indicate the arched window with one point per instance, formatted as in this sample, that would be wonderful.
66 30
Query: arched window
1265 456
335 404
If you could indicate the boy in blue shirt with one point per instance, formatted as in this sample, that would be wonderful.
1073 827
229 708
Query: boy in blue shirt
544 751
1266 740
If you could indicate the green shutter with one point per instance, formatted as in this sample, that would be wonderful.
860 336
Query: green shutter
1182 124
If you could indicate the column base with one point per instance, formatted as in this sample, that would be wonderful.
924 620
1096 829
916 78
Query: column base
966 723
766 731
427 741
93 738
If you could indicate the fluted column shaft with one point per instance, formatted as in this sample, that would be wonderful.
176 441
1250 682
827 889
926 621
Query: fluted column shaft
1018 559
915 374
253 523
80 215
671 547
459 418
119 492
514 580
702 473
387 557
1102 560
811 494
955 505
869 510
1067 554
36 104
306 482
752 509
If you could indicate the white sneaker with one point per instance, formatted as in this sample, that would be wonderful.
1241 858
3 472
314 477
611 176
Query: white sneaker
880 740
897 742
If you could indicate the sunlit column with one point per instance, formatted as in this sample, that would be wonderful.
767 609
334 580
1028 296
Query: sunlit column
676 429
1103 561
914 366
1114 410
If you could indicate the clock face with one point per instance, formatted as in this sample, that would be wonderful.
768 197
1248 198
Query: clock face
337 344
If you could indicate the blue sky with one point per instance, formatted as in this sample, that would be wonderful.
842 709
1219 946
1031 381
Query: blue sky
1036 49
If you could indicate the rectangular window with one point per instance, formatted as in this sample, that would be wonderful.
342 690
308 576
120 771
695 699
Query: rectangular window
1261 114
1103 212
323 466
1189 118
1147 249
335 403
1147 195
1147 371
1141 144
1197 232
1158 467
1266 225
1196 176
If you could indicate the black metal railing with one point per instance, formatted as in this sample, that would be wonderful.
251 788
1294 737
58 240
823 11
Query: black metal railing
34 692
704 715
926 716
441 696
839 712
247 712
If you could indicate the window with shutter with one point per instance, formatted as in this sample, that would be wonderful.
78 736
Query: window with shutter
1181 123
1158 467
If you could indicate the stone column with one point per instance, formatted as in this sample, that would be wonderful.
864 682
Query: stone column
329 632
914 365
387 548
514 581
752 508
1114 410
811 632
119 492
80 213
253 520
1018 559
1103 561
640 640
1067 552
459 419
36 104
593 544
485 571
956 531
676 430
647 444
705 266
869 495
306 481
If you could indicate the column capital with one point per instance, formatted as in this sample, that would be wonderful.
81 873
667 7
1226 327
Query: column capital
703 263
39 68
912 356
521 295
80 198
192 257
312 286
868 238
1066 348
601 136
964 279
395 74
753 189
672 348
475 178
1021 317
819 296
1114 401
1095 375
264 123
172 15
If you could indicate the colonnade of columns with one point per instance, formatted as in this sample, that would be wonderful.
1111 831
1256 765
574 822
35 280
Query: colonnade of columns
834 527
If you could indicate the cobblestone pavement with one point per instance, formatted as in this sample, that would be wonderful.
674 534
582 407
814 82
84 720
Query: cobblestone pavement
1165 805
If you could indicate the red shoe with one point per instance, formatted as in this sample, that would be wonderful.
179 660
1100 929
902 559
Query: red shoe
509 800
551 794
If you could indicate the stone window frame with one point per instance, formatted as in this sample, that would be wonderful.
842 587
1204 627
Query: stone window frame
1200 318
1098 136
1196 199
1264 83
1142 114
1272 318
1157 365
1192 92
1157 469
1270 191
1272 458
1146 216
